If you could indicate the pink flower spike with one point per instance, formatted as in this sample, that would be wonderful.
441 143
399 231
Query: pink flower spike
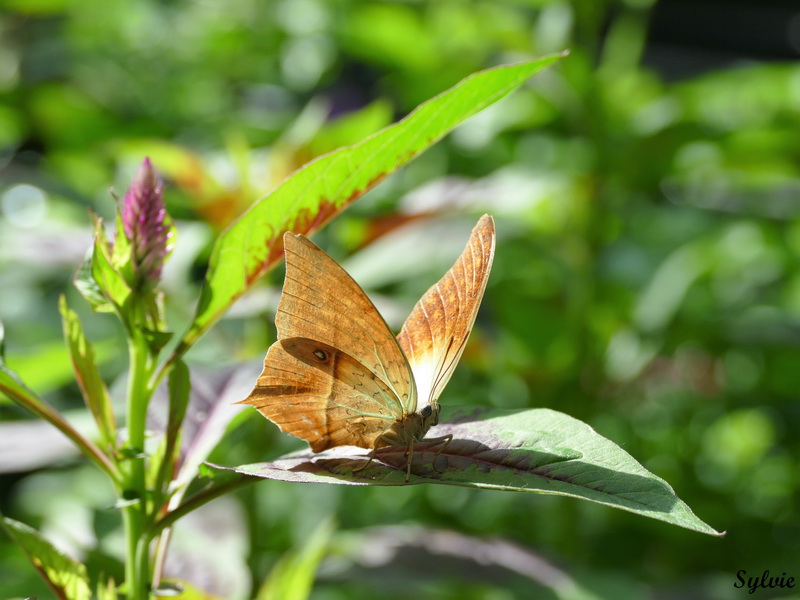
144 220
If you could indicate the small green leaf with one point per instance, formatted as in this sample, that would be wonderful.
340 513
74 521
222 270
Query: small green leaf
110 281
537 451
315 193
129 453
122 254
107 590
293 576
156 340
86 285
178 386
94 390
66 577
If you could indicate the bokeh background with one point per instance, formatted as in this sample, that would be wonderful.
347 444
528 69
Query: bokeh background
647 197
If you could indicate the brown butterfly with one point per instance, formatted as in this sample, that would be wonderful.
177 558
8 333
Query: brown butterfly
338 377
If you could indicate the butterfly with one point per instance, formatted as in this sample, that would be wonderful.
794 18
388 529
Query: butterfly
337 376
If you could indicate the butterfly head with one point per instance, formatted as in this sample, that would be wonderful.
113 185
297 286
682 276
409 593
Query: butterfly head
429 415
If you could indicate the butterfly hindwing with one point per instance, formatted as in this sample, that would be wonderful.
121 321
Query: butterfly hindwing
435 333
323 395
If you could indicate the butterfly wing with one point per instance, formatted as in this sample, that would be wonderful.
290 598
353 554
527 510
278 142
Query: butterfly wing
323 395
435 333
366 388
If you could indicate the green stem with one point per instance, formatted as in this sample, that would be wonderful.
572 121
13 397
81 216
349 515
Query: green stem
197 500
136 515
131 525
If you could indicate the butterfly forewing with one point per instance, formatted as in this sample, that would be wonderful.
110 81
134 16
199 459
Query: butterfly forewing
321 301
336 376
435 333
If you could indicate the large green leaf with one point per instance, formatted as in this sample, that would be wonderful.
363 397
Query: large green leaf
315 193
537 450
66 577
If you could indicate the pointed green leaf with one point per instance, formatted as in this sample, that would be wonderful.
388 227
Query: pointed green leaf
107 590
66 577
293 576
85 283
537 450
178 387
122 252
315 193
93 388
156 340
12 386
109 280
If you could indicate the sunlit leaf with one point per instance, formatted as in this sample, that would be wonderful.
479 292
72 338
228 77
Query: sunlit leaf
93 388
65 576
107 590
293 576
536 450
110 281
122 252
317 192
12 386
85 283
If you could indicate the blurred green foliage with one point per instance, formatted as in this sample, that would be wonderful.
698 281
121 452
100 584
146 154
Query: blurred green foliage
645 280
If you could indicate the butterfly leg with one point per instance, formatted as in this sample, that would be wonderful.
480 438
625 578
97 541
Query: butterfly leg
445 441
366 464
409 458
380 443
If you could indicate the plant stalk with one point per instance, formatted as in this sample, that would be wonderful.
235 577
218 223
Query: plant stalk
26 399
197 500
136 515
